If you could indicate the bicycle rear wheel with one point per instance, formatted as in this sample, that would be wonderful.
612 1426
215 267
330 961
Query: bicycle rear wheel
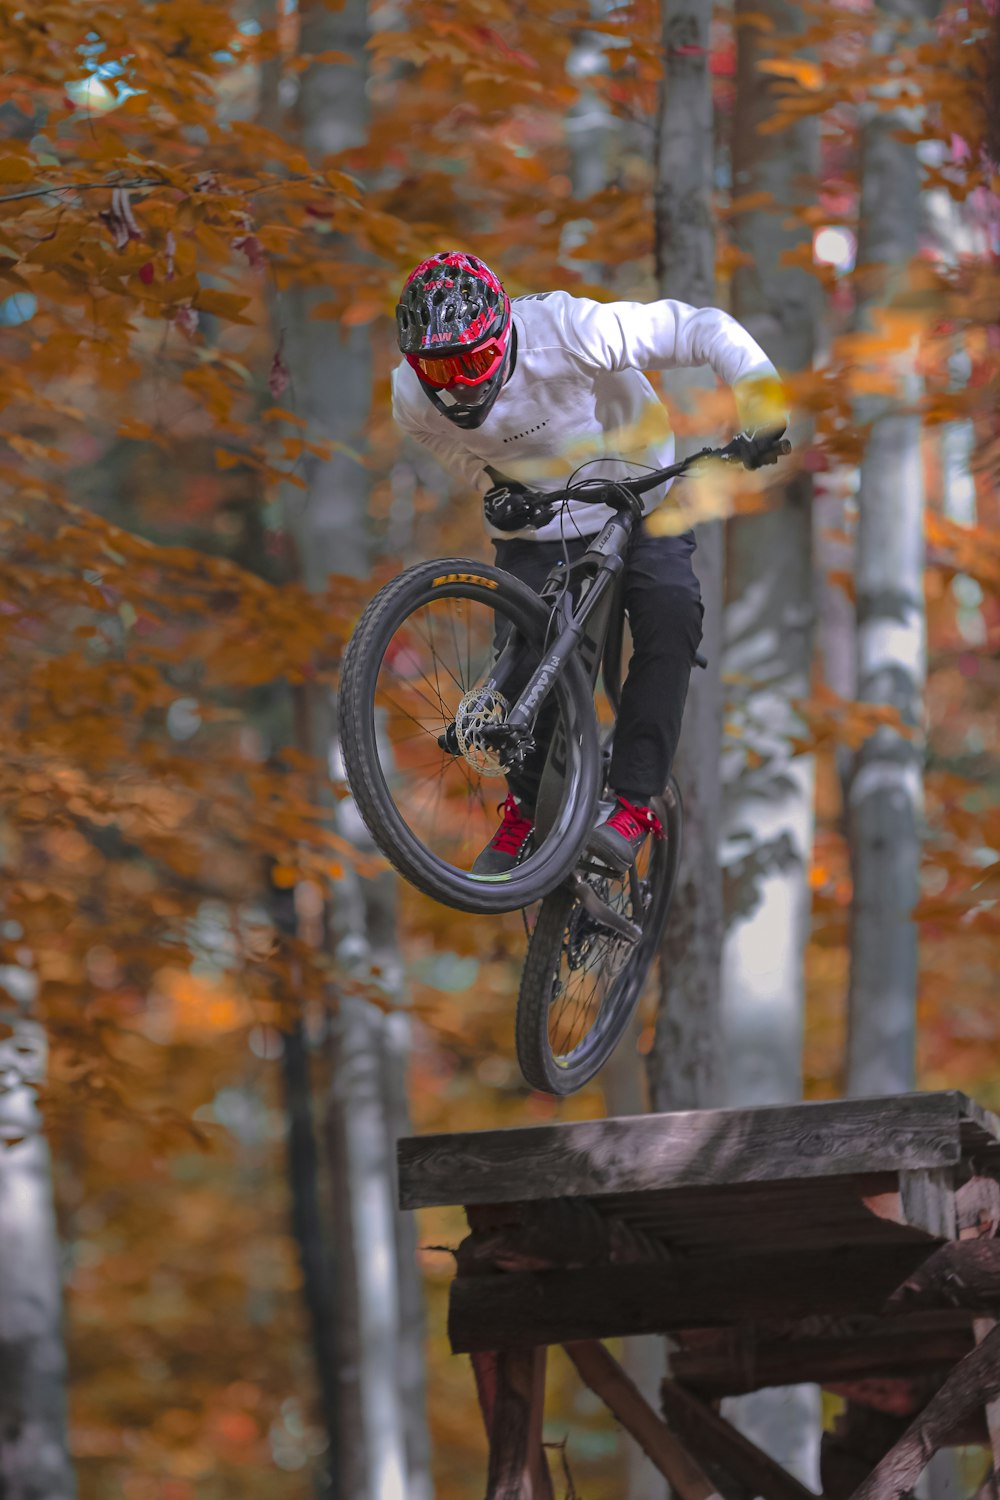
416 672
582 981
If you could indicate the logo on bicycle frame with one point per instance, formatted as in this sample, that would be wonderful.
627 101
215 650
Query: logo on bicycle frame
545 676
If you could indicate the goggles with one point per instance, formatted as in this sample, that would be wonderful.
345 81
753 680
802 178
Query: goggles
461 369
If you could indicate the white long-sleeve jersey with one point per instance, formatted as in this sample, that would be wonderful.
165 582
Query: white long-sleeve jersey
577 392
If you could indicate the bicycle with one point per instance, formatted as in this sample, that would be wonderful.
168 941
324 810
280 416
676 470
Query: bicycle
444 681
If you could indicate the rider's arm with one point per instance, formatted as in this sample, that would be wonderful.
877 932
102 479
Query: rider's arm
669 335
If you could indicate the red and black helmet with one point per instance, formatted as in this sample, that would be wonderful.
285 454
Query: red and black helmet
454 326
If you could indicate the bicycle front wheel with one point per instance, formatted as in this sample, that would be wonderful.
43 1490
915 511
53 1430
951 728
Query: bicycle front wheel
582 980
414 682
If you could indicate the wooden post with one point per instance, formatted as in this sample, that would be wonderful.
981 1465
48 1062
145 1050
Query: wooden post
982 1328
973 1382
511 1389
663 1448
705 1433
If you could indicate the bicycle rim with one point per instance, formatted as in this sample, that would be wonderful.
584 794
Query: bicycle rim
582 982
426 664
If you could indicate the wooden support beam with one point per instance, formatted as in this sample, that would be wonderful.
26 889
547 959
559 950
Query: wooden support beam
982 1328
965 1273
711 1438
707 1148
745 1359
511 1389
508 1310
972 1383
664 1449
849 1452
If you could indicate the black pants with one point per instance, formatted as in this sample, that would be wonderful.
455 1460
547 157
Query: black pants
663 601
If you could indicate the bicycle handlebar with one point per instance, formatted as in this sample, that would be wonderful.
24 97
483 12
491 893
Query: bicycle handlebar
643 482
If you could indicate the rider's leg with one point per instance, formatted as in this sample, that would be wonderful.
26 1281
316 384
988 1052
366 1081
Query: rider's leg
531 562
664 607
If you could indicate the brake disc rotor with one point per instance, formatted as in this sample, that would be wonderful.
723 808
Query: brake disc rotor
483 708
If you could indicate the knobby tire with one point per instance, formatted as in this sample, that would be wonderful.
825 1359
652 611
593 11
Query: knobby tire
386 614
542 1070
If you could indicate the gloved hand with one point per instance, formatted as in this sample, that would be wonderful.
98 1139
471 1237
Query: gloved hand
762 446
512 506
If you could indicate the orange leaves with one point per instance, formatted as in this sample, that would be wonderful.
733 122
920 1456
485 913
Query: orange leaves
360 312
973 550
16 168
227 305
226 460
832 720
800 70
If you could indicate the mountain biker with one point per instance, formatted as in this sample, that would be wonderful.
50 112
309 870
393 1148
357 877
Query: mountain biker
512 397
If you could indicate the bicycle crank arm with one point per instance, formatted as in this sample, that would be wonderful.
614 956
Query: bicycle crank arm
602 912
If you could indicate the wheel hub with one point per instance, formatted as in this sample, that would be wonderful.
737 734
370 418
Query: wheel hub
480 710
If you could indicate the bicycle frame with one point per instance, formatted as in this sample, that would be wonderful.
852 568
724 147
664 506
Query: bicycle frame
593 627
582 627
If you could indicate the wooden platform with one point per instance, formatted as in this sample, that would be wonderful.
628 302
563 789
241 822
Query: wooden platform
850 1243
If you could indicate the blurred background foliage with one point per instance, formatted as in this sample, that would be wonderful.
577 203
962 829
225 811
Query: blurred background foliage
185 187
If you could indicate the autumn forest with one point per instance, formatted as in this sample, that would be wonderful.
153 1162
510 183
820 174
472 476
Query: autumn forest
220 1007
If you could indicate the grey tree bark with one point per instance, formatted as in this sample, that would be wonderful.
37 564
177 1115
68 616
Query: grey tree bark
593 138
885 794
34 1456
384 1439
684 1061
769 617
683 1064
768 808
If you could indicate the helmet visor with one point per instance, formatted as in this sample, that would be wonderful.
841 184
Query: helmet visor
468 368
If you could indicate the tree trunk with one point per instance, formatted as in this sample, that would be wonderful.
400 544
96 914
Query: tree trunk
683 1063
768 807
769 617
34 1459
380 1343
885 794
592 133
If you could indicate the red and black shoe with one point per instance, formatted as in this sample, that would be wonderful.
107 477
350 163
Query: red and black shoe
507 845
617 841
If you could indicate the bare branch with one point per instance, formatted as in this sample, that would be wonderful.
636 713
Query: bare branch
80 187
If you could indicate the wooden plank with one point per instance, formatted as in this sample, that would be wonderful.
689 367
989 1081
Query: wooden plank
980 1125
795 1213
965 1273
662 1447
848 1453
712 1439
558 1307
982 1328
511 1387
974 1381
641 1153
747 1359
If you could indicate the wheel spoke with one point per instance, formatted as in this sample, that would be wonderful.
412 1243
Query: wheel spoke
442 648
